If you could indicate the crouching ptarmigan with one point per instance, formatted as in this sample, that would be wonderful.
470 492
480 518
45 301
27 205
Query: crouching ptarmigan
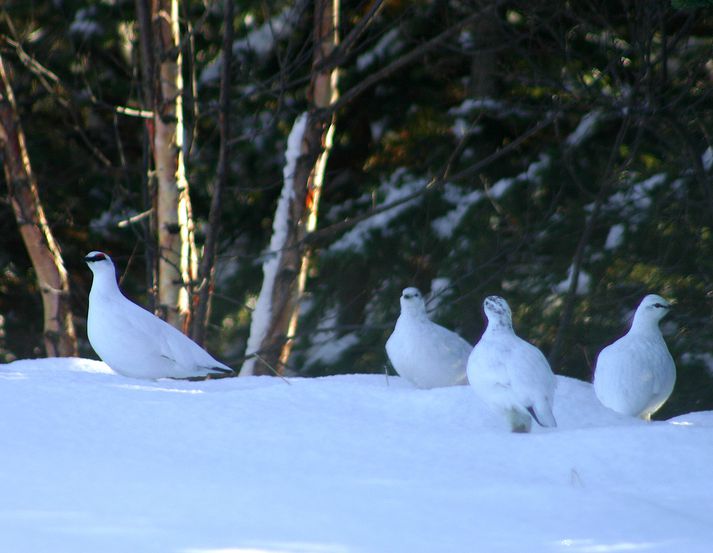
423 352
635 375
509 374
134 342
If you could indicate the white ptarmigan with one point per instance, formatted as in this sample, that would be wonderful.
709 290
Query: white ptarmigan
509 374
635 375
134 342
427 354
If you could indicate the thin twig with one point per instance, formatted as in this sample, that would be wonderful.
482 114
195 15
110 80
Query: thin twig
134 218
261 358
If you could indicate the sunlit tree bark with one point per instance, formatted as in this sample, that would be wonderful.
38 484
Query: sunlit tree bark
59 335
177 265
307 182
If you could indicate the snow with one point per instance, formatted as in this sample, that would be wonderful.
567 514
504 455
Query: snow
326 344
260 318
707 159
491 105
705 358
440 288
83 24
259 41
92 461
584 281
328 347
634 199
445 226
585 129
387 45
108 221
355 239
615 238
377 129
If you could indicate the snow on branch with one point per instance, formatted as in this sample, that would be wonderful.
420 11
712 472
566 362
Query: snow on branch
260 41
355 239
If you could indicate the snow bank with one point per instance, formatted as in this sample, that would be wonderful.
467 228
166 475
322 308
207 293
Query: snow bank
92 461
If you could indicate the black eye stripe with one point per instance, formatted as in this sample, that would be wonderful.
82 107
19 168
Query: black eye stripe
97 257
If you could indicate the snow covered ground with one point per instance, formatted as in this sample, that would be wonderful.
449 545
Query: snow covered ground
94 462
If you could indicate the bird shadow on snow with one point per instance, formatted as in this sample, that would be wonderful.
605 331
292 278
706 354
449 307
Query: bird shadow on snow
77 370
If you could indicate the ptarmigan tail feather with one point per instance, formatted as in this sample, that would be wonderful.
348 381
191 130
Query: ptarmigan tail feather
224 370
211 373
543 416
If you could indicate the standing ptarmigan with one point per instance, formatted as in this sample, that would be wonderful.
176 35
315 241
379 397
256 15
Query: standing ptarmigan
134 342
509 374
635 375
423 352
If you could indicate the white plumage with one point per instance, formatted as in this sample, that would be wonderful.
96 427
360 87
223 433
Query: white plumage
423 352
134 342
635 375
509 374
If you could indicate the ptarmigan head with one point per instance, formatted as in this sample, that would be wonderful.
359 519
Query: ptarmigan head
652 308
498 312
100 263
412 302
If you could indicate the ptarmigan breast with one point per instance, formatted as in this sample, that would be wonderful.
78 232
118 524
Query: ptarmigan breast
636 374
423 352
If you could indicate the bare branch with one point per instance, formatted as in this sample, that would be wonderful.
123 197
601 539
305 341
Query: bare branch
406 59
206 270
434 183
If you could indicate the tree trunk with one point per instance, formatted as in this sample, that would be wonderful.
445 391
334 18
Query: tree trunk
293 264
59 335
206 272
178 260
482 68
318 139
148 184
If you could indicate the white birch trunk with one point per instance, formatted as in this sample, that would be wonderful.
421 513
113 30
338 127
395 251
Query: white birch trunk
178 260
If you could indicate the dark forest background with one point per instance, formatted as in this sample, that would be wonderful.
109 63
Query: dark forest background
535 142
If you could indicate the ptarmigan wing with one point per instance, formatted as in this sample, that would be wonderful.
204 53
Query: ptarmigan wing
532 380
488 373
159 338
450 346
513 374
